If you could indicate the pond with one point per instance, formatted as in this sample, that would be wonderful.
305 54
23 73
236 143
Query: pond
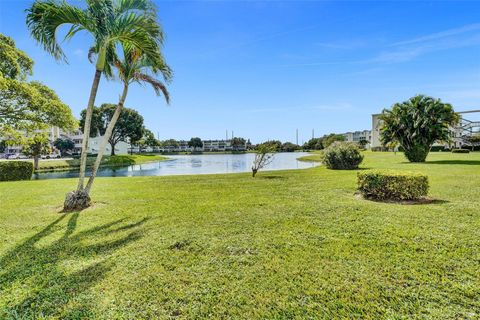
192 164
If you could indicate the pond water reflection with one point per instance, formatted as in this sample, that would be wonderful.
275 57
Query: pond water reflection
193 164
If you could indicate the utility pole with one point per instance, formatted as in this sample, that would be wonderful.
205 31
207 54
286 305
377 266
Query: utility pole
313 133
226 134
297 136
232 134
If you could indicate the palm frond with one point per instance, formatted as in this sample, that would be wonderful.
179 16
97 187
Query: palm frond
124 6
111 55
156 84
92 52
45 17
159 66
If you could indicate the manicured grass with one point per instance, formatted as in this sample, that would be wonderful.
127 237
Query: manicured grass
315 156
290 244
107 161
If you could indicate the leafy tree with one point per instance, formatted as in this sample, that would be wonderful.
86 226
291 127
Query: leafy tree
131 23
195 143
416 124
64 145
149 138
238 143
264 154
249 145
290 147
314 144
128 127
275 144
35 146
170 143
141 144
26 105
327 140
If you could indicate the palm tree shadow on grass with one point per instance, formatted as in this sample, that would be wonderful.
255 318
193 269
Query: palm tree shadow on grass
53 292
460 162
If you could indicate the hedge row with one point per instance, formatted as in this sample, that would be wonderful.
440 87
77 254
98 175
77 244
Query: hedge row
15 170
460 151
391 185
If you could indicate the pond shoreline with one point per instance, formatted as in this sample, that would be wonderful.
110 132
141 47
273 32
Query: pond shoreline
184 165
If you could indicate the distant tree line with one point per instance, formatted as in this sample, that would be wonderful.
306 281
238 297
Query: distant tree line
323 142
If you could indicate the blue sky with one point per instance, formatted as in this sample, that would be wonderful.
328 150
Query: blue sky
265 68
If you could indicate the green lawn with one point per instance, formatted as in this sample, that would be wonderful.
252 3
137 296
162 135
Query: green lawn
107 161
290 244
315 156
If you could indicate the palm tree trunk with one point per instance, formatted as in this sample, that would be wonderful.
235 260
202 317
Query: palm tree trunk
35 162
106 137
86 129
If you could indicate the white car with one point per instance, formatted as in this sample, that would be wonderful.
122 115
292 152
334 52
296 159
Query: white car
50 156
13 156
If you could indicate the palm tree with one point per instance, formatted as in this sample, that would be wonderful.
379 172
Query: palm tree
109 22
416 124
138 68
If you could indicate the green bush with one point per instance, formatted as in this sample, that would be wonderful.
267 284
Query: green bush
437 148
15 170
392 185
342 156
460 151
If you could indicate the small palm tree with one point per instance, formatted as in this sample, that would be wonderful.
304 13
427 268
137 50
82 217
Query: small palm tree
138 68
416 124
110 22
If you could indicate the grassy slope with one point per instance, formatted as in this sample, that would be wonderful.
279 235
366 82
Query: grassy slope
107 161
291 244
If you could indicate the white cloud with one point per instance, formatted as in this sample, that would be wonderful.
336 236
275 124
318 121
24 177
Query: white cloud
466 36
440 35
410 49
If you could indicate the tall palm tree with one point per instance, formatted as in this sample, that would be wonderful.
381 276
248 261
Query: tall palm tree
109 22
138 68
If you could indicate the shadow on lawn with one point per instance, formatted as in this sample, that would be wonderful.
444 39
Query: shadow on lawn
461 162
51 291
271 177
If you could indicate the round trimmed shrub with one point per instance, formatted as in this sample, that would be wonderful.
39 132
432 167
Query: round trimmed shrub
342 156
392 185
15 170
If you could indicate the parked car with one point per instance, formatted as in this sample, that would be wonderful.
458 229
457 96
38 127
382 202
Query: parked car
16 156
50 156
13 156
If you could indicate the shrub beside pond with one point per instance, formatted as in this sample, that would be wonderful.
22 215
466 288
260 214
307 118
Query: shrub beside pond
392 185
15 170
342 156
